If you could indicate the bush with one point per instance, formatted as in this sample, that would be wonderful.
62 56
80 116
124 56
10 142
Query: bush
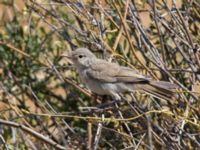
43 103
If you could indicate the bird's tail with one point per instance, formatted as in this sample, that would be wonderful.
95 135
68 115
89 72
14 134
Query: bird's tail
161 89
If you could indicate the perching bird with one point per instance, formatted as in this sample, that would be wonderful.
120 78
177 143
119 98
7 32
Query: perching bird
106 78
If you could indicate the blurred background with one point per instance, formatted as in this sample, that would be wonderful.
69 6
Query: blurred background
44 105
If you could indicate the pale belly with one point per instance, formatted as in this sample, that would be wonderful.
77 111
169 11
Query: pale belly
103 88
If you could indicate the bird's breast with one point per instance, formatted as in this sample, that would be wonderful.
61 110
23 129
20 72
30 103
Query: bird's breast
96 86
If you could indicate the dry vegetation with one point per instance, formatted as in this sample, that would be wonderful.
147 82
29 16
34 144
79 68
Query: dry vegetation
43 104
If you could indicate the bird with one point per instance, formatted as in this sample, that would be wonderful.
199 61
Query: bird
111 79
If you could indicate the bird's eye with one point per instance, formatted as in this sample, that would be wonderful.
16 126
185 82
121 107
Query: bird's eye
80 56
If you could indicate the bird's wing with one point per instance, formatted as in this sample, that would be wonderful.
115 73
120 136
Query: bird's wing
111 72
126 74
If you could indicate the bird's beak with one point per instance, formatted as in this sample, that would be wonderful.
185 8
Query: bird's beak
68 56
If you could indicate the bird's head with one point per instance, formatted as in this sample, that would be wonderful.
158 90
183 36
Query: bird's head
81 57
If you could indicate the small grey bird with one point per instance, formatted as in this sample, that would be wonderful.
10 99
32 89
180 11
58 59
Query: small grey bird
106 78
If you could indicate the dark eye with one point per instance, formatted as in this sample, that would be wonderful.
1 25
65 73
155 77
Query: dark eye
80 56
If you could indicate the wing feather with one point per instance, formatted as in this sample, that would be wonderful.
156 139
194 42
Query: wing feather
111 72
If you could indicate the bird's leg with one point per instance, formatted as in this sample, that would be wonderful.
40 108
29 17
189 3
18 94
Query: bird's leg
115 96
116 99
109 104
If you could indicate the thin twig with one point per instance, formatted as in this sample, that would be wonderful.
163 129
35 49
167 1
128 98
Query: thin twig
97 137
33 133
